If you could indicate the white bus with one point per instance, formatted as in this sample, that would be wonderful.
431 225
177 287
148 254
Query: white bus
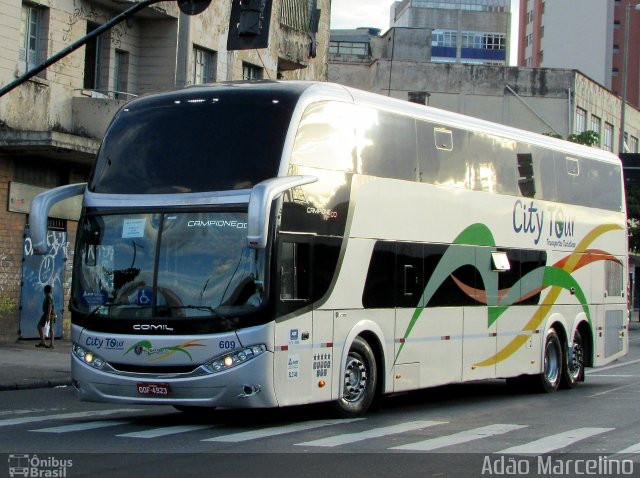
266 244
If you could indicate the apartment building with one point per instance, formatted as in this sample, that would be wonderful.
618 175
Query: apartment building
51 125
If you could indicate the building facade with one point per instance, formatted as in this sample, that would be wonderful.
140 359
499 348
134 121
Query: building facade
587 35
464 31
543 100
51 125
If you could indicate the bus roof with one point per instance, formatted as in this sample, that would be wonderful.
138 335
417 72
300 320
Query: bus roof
306 92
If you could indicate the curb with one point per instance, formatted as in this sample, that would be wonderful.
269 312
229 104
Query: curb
35 384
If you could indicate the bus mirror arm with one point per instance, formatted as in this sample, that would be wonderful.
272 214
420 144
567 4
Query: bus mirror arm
262 195
39 212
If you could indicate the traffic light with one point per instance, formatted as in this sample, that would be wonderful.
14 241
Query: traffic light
249 24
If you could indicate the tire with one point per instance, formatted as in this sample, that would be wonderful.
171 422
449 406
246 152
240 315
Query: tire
360 381
551 376
573 363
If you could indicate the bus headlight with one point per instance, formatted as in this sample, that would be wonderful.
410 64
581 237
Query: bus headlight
88 357
233 359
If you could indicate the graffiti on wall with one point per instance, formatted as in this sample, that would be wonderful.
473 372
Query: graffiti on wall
90 13
38 271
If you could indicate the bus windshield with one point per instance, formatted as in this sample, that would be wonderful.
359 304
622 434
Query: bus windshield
205 142
192 264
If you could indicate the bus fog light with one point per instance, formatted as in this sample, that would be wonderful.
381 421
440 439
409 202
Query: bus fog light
233 359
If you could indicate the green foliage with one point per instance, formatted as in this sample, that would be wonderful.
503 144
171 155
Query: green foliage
633 213
588 138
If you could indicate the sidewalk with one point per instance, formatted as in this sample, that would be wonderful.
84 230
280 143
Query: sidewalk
26 366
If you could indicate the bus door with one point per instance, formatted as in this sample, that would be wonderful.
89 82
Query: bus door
293 368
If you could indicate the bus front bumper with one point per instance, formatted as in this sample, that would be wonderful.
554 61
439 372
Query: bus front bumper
249 385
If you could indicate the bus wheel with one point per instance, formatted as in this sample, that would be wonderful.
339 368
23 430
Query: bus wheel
551 375
360 378
573 363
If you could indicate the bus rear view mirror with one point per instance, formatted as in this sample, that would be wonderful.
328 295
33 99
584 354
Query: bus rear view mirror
262 195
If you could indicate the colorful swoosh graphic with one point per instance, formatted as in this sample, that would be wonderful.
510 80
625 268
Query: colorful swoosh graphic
162 352
555 278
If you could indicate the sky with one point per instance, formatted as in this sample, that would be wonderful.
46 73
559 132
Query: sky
375 13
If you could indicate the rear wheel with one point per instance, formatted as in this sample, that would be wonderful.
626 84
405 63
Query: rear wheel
573 363
549 379
360 379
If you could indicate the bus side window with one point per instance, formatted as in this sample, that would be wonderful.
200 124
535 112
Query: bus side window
454 156
428 164
326 137
388 145
294 271
526 182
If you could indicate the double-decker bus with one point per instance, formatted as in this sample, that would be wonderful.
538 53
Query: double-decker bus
265 244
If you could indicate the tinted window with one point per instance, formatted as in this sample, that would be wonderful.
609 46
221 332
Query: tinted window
571 180
605 185
493 165
193 144
325 137
387 144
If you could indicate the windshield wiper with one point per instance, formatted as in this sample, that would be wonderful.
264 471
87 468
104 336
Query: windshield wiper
206 308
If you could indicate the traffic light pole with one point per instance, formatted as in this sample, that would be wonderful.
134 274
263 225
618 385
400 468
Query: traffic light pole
74 46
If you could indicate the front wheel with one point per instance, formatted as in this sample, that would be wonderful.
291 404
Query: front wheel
360 379
573 363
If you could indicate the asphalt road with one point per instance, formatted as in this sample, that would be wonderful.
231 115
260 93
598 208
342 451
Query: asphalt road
477 429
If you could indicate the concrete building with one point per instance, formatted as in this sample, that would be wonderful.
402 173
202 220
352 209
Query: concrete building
542 100
464 31
51 126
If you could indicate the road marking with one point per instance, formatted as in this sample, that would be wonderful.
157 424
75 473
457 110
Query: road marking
622 387
62 416
632 449
610 367
164 431
274 431
78 427
373 433
555 442
462 437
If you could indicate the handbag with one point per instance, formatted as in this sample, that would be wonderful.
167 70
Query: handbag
46 330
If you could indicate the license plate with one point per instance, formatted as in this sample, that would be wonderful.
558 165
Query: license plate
154 389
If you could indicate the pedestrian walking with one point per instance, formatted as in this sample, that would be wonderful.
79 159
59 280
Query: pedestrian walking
48 317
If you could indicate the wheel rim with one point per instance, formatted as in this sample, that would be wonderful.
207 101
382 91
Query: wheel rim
355 378
576 361
552 361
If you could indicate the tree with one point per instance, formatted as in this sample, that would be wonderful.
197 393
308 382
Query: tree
588 138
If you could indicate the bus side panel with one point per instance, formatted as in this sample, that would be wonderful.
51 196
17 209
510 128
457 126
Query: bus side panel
293 360
324 359
479 344
520 341
435 343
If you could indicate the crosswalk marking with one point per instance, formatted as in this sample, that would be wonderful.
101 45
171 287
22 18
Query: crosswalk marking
164 431
555 442
461 437
78 427
373 433
274 431
62 416
632 449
